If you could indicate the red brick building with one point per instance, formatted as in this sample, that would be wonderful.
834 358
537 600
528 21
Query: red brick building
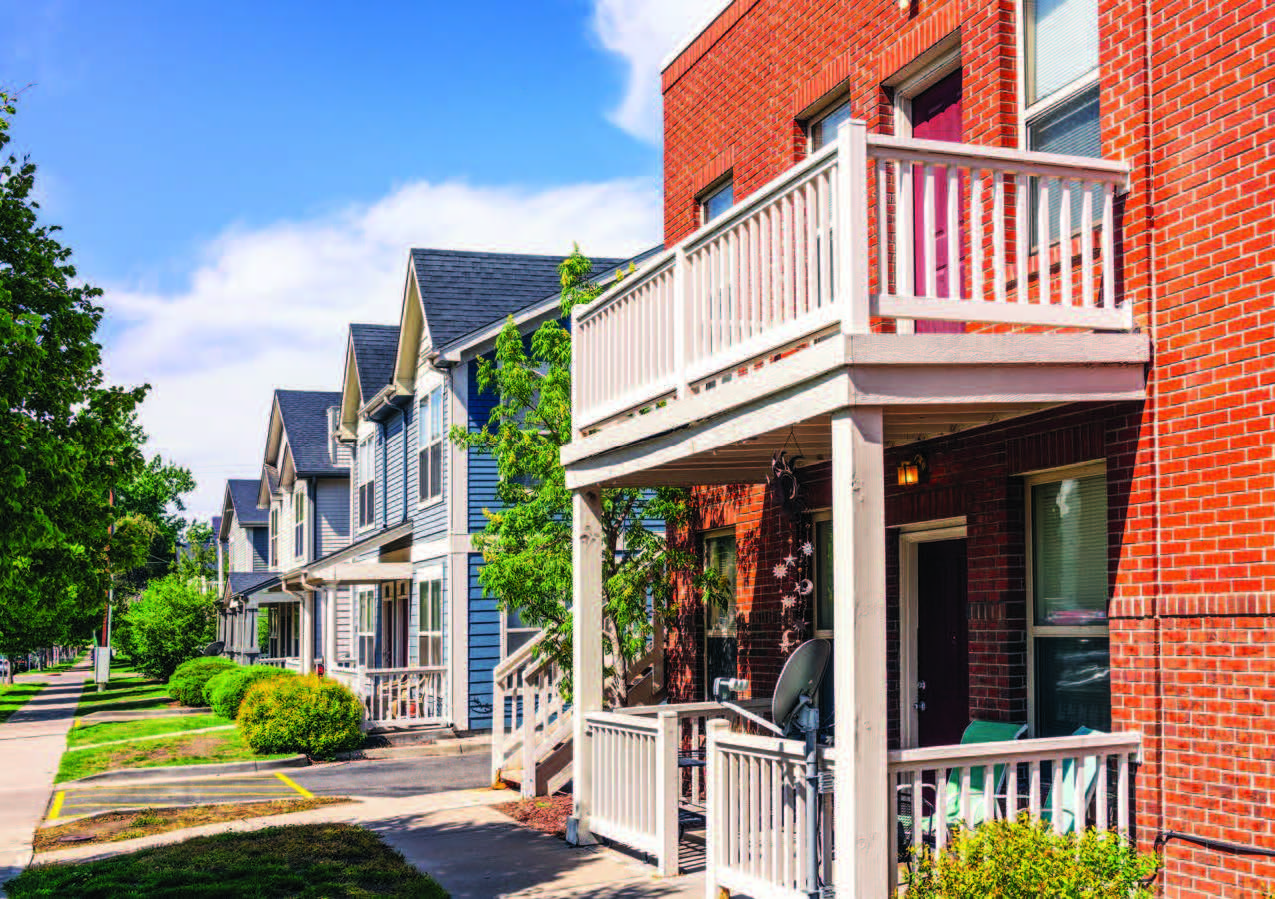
1176 641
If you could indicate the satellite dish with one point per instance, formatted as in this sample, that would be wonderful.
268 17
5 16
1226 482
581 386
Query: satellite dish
800 678
214 649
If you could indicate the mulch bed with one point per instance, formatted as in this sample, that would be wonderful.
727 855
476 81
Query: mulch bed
547 814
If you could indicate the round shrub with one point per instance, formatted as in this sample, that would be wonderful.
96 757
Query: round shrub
306 714
226 690
187 683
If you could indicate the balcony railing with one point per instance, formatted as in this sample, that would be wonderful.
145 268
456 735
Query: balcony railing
859 230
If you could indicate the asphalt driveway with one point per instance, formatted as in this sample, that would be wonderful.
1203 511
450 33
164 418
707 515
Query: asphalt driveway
396 777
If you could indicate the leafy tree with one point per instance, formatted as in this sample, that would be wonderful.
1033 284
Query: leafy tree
154 492
526 546
66 439
170 623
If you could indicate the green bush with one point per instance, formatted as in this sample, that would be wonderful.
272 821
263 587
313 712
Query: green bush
226 690
306 714
188 681
171 622
1026 858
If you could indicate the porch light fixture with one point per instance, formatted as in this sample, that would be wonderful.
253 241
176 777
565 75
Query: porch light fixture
912 471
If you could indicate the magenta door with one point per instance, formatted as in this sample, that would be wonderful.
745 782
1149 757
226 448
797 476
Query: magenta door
936 115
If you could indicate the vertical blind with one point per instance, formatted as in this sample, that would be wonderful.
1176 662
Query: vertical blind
1069 552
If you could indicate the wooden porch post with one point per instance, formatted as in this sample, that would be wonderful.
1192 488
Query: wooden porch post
586 649
858 514
306 622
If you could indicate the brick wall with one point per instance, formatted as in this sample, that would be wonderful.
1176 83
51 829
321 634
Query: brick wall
1193 557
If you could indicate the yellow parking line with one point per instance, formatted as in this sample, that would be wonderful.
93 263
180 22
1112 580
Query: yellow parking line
56 808
305 794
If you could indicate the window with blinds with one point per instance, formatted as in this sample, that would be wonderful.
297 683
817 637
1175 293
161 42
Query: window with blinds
429 626
429 442
1061 104
825 128
1067 619
366 467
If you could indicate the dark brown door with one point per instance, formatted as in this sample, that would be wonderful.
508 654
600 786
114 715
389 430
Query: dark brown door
936 115
942 643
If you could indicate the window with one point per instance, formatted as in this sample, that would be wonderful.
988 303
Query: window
824 129
298 522
717 200
517 632
274 536
721 640
365 629
334 427
284 622
367 481
429 441
1068 593
1061 112
429 595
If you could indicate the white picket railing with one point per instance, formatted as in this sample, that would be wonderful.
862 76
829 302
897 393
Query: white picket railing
403 696
636 782
1076 781
797 257
291 663
757 822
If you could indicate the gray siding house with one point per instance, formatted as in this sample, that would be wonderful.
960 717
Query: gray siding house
243 533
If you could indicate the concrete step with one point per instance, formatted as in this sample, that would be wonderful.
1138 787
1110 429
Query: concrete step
408 736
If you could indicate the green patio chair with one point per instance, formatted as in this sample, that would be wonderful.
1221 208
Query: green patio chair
976 732
1066 782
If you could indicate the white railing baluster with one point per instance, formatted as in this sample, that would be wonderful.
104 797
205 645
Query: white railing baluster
1064 242
1102 795
1022 229
953 232
976 235
1042 239
1122 795
928 228
883 244
1086 246
1056 793
998 237
1108 248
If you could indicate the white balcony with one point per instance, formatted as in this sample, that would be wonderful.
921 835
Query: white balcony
854 241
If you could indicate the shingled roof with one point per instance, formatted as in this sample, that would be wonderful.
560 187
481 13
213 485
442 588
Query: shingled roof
305 421
374 348
244 582
464 291
243 498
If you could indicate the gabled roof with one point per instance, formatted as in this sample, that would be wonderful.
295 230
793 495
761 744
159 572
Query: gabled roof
304 415
241 583
372 347
241 499
216 528
463 291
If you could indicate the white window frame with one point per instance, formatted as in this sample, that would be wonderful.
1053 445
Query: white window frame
426 439
921 75
365 474
364 626
506 630
715 534
300 520
334 428
839 101
1093 631
274 537
1029 112
431 577
715 189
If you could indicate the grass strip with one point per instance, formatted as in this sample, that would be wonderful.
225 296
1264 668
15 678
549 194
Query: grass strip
109 731
15 697
128 694
112 827
192 749
307 860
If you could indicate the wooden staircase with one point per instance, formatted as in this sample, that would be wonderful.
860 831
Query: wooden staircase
531 735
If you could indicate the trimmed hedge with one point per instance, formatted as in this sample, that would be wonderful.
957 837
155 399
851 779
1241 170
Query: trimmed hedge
306 714
188 681
226 690
1026 858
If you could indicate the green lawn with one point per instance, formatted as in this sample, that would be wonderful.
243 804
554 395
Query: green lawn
15 697
128 693
314 860
107 732
189 749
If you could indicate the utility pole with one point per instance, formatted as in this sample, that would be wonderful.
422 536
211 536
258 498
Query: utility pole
102 658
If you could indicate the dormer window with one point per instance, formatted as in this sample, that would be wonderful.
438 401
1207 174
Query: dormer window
298 522
429 440
367 481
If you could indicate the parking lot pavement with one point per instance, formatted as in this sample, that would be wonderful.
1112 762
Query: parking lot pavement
389 778
90 800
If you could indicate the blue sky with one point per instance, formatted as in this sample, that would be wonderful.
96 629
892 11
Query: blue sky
245 179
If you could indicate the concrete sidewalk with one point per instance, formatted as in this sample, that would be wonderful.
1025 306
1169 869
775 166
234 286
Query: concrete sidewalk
474 851
31 743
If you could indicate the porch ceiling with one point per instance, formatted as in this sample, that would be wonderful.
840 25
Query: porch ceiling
748 460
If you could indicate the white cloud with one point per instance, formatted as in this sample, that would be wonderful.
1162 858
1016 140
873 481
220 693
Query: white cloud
269 307
642 33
